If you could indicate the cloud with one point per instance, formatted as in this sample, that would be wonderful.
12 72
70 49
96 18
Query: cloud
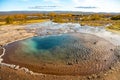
86 7
78 1
42 7
85 2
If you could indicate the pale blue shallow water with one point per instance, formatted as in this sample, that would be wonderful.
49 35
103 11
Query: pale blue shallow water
49 48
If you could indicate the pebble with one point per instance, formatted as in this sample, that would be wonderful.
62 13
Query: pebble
94 76
17 67
69 63
105 74
89 77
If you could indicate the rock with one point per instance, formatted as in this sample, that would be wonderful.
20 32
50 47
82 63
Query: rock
111 49
17 67
110 67
105 74
76 61
12 66
89 77
69 63
1 46
84 59
94 42
31 72
98 76
94 76
105 60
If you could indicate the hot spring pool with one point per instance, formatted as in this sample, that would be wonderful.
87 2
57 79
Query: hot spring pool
65 54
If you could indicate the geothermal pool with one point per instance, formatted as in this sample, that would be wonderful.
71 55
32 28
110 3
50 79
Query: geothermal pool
64 54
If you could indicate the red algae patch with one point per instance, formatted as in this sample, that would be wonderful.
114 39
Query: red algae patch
66 54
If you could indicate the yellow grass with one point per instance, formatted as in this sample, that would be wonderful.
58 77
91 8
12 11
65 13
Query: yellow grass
2 23
36 21
114 31
24 22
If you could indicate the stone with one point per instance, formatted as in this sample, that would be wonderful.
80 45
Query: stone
17 67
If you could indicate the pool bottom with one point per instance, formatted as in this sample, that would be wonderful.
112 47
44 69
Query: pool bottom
67 54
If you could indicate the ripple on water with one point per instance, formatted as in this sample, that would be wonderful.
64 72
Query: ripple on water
66 54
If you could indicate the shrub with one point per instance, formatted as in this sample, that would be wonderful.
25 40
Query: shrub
9 20
115 17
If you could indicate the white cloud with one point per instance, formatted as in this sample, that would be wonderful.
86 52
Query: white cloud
88 2
70 5
103 5
78 1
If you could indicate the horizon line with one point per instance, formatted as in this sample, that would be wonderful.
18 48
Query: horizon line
56 11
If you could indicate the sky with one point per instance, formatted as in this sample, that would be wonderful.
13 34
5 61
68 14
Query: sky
61 5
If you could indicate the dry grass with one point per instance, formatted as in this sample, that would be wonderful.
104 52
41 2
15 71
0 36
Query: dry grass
36 21
24 22
96 22
2 23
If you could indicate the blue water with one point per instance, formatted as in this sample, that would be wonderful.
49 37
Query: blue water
55 48
50 52
50 41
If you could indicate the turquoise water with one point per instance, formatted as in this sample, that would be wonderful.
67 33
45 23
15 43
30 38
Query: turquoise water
56 48
49 43
61 54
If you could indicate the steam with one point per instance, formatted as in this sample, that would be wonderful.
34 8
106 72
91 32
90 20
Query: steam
101 32
59 28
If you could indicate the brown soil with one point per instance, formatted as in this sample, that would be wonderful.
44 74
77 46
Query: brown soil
11 33
7 73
